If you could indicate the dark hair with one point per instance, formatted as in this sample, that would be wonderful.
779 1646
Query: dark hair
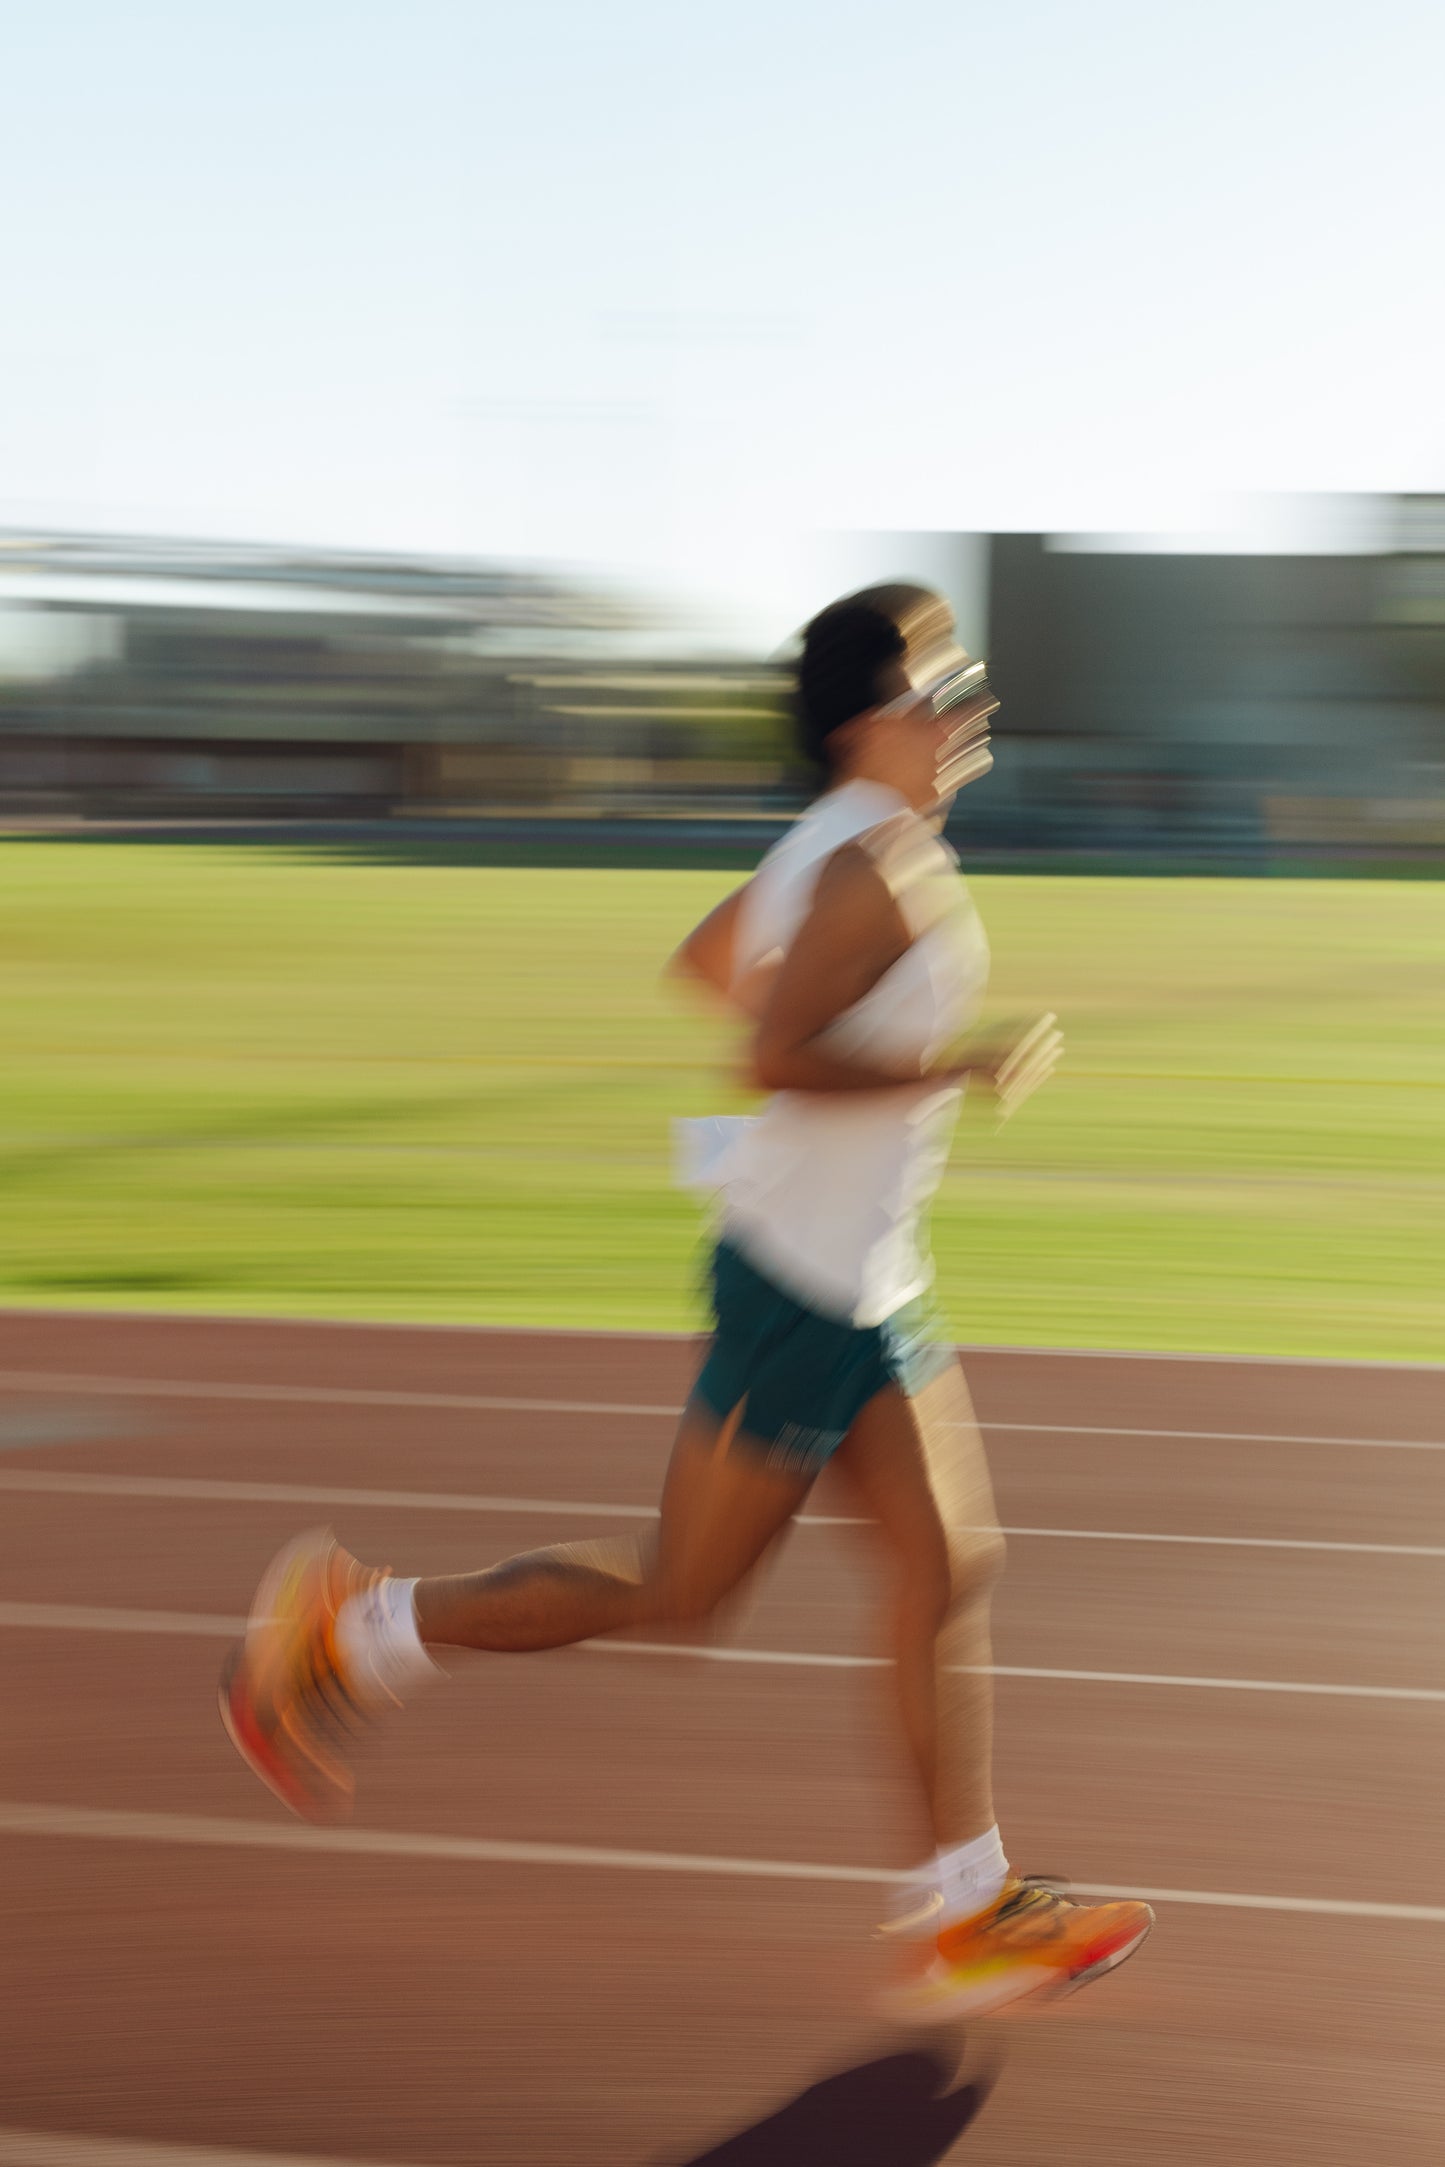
846 649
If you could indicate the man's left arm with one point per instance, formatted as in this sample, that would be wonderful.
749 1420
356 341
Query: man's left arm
708 957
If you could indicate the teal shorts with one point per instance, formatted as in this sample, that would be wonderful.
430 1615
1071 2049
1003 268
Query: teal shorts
802 1377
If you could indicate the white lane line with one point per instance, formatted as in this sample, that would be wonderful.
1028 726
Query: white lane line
109 1825
1234 1542
197 1489
1020 1670
1213 1437
106 1825
178 1388
52 2148
64 1484
209 1625
58 1381
89 1618
1328 1907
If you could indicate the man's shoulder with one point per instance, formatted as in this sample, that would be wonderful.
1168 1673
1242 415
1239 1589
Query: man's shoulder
907 848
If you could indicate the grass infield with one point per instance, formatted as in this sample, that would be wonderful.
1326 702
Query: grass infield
256 1080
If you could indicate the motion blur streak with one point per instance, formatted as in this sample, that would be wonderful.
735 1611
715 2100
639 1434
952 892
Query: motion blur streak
1217 709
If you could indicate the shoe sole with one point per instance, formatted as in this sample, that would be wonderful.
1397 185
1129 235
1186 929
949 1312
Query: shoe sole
1048 1987
329 1800
1091 1972
303 1804
225 1700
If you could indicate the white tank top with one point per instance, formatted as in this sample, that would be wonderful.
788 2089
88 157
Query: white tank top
826 1191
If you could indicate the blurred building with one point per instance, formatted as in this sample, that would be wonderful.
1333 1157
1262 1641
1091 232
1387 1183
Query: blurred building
1221 703
1158 705
147 680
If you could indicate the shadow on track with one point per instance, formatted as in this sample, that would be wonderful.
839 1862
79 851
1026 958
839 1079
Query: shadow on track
902 2110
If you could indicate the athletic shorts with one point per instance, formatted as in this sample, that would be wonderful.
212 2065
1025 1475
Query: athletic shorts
803 1377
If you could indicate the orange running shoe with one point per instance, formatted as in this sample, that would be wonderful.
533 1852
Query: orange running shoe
1031 1943
284 1700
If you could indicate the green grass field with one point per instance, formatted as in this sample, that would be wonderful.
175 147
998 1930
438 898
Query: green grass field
256 1081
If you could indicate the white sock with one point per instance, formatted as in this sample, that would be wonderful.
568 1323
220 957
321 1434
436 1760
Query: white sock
964 1878
381 1651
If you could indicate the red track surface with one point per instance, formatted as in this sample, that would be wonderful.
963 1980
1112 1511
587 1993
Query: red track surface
174 1986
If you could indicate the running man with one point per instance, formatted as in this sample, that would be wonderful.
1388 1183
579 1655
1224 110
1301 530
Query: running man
857 961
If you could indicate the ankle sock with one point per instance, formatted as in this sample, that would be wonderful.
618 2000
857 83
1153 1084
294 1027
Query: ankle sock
382 1656
967 1876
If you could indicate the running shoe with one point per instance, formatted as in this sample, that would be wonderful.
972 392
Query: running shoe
1032 1943
284 1700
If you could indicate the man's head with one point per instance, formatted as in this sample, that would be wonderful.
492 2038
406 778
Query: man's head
885 693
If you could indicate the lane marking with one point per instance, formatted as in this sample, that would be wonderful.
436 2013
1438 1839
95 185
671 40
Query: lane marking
1233 1542
1215 1437
107 1825
200 1490
210 1625
162 1388
1169 1679
15 1380
90 1618
51 2148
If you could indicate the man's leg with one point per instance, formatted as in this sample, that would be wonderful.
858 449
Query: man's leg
918 1470
329 1638
721 1508
980 1936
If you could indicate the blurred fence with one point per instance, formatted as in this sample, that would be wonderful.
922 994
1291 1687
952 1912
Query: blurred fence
1157 706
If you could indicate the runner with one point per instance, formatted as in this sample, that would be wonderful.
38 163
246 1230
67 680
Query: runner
857 960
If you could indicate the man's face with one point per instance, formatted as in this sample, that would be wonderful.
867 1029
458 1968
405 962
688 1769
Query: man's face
928 734
966 753
941 727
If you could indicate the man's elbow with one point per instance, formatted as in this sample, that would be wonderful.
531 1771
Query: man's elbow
687 967
679 965
767 1066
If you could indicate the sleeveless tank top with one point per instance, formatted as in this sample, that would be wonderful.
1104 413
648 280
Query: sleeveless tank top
826 1192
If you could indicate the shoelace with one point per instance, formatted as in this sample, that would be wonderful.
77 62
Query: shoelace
318 1695
334 1697
319 1688
1037 1900
1032 1889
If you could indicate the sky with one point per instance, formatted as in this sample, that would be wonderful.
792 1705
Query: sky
685 291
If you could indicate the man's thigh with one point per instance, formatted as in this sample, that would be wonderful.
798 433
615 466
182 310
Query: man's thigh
917 1466
722 1506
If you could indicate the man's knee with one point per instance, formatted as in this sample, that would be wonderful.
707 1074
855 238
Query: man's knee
975 1561
678 1599
962 1572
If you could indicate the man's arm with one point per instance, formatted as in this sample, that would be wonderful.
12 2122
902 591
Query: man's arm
708 957
852 935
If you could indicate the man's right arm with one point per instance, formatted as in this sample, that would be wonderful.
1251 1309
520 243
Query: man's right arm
851 936
709 957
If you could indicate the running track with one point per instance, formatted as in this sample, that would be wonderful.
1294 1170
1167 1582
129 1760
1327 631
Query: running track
613 1905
